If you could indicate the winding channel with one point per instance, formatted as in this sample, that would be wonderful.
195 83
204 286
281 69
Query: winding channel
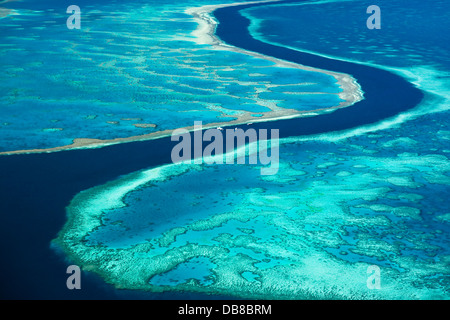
36 188
386 94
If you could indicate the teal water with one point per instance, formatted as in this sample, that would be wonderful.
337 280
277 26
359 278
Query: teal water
310 231
197 268
340 202
132 63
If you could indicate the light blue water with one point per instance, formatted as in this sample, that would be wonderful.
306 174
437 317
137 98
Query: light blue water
132 63
334 208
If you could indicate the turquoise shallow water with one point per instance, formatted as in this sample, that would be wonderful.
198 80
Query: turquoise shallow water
132 63
339 203
333 209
